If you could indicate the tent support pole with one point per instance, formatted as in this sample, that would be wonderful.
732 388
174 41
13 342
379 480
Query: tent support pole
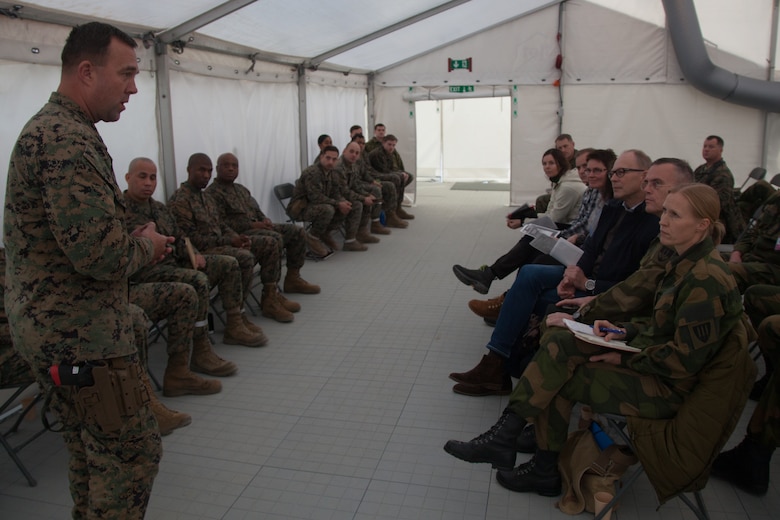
303 124
770 76
167 158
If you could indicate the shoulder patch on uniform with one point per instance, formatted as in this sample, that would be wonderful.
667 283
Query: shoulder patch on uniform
702 331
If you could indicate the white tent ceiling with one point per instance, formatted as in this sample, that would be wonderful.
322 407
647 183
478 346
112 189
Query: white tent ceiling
370 35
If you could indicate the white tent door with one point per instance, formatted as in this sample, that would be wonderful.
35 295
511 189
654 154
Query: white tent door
464 139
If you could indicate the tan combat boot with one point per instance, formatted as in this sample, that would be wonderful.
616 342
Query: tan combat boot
272 307
403 214
180 380
395 222
167 419
205 360
378 229
316 246
287 304
251 326
354 245
293 283
236 332
365 236
328 240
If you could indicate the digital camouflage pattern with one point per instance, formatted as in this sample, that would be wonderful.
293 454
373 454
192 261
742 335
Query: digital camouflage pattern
14 370
762 304
390 164
69 256
390 182
696 305
759 247
719 177
321 192
240 210
175 302
221 271
358 185
197 216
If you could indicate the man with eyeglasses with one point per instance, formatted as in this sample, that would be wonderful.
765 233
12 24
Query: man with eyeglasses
610 254
716 174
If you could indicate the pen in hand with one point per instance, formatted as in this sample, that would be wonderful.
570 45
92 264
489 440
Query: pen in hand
613 331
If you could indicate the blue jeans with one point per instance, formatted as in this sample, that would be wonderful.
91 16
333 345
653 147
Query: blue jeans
535 288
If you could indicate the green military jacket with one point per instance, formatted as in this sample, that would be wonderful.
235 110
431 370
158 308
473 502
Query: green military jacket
68 251
236 205
353 179
317 186
761 242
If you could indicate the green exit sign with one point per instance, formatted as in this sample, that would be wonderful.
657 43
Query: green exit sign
461 89
458 64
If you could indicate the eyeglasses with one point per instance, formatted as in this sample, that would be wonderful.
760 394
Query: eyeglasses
597 171
620 172
656 184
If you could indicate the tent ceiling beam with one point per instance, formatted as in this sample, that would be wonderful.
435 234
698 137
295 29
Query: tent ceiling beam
317 60
177 33
36 14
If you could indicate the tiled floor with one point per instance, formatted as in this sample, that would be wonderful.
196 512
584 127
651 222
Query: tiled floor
344 414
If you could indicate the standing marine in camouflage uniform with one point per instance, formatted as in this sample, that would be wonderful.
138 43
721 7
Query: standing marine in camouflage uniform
318 198
696 306
242 213
386 160
716 174
69 257
222 271
197 216
756 255
360 189
747 465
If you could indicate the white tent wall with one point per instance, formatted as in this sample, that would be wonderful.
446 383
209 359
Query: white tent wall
258 122
334 102
635 98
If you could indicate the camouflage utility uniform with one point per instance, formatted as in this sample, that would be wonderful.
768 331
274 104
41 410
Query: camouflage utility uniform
197 216
14 370
696 305
221 270
391 166
762 305
319 192
760 248
357 188
719 177
175 302
239 210
386 182
69 257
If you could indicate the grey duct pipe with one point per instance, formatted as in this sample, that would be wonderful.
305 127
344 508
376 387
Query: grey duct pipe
703 74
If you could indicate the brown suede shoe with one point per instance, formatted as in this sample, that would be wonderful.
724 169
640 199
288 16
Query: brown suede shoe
487 308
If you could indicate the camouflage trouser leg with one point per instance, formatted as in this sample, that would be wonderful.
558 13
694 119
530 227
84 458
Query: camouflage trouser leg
111 475
140 333
172 273
352 220
14 370
321 217
246 262
753 273
175 301
376 191
762 304
294 240
402 186
389 196
560 376
224 272
268 253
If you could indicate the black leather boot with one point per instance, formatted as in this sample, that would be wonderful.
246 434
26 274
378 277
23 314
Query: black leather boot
496 446
526 441
746 466
540 474
480 279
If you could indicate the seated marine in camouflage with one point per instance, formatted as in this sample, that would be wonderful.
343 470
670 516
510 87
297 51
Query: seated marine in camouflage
197 216
242 213
386 160
361 188
320 198
387 182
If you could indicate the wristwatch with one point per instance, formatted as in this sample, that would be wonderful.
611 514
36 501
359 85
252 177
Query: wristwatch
590 285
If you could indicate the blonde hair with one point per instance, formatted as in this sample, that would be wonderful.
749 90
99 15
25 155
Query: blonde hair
705 204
